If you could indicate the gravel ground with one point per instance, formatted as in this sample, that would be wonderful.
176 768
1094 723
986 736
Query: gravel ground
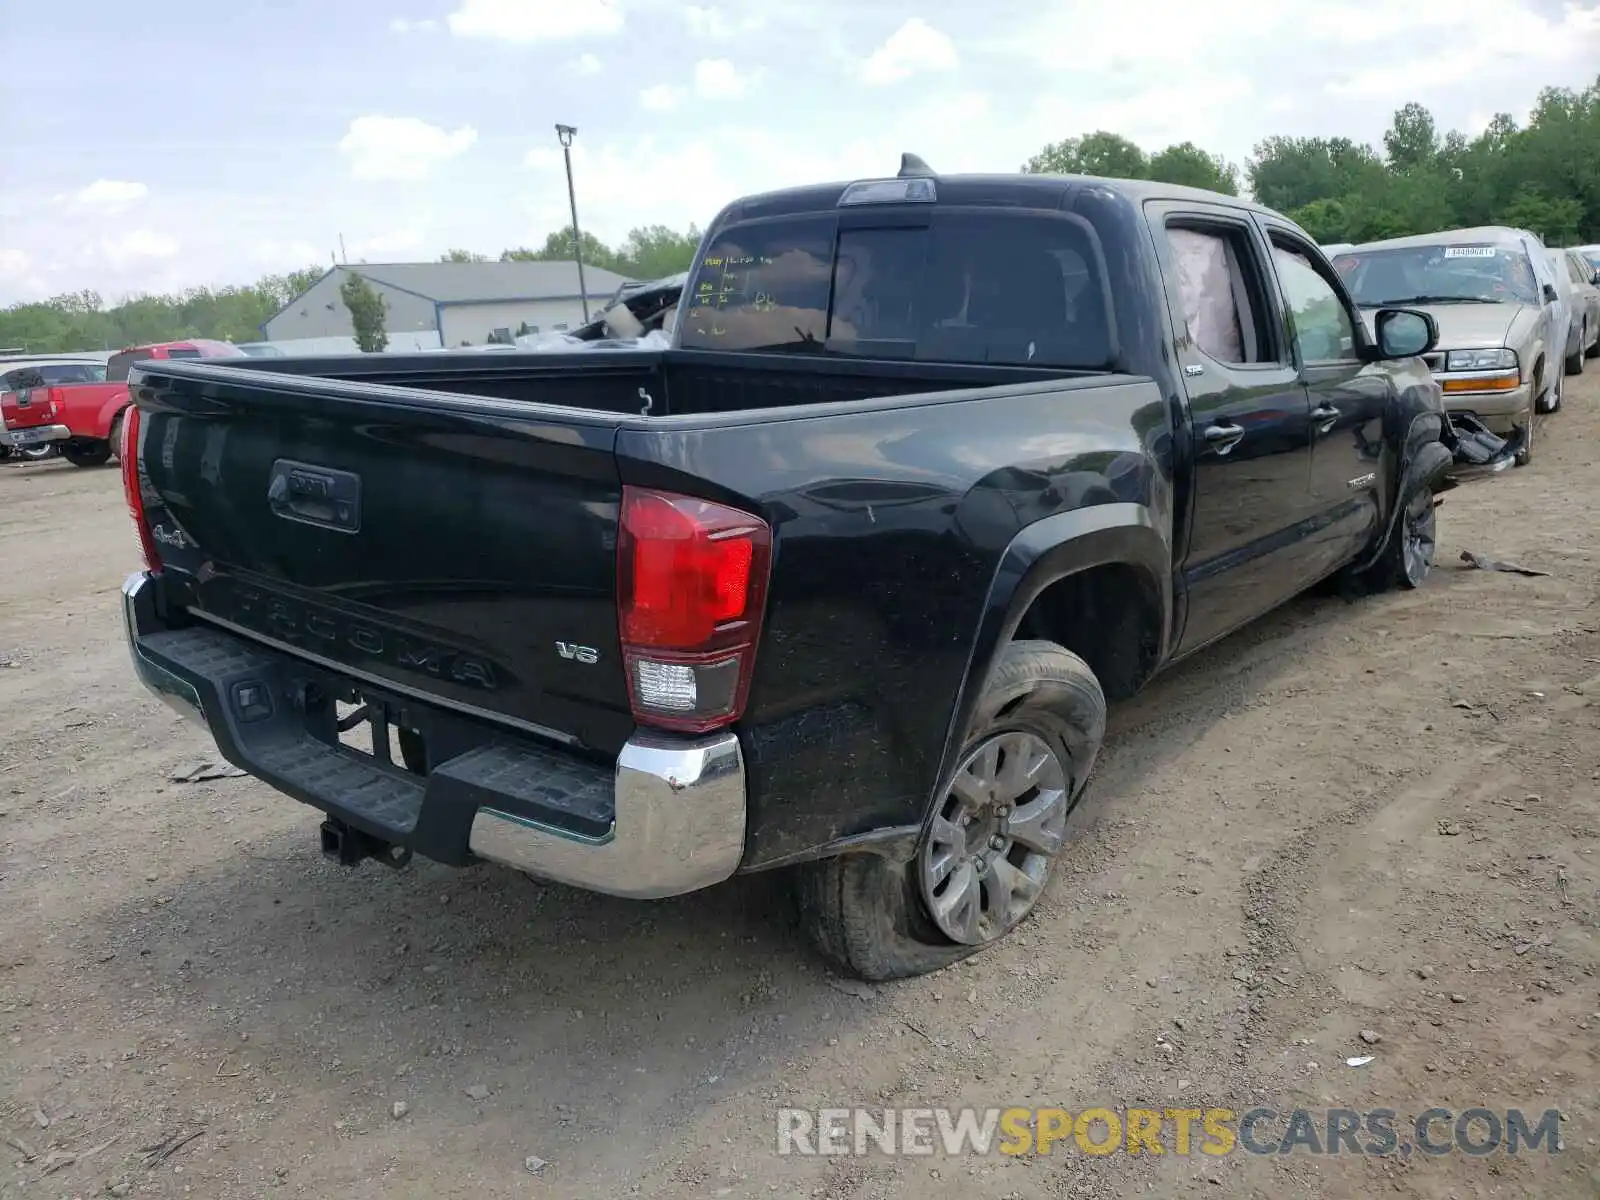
1380 816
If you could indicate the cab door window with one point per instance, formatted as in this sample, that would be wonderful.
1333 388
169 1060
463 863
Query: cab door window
1321 326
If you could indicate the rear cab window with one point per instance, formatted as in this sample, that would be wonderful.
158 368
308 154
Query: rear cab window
969 286
117 366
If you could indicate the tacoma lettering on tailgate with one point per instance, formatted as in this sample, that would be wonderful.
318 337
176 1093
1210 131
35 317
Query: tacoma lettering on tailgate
325 631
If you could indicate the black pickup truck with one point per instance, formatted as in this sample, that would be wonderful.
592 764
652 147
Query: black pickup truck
842 581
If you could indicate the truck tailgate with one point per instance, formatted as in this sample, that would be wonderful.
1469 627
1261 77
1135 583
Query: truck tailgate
27 409
459 548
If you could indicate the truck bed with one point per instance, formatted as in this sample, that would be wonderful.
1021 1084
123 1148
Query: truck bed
676 382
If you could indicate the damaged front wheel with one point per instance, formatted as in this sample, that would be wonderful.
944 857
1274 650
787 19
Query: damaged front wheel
1408 558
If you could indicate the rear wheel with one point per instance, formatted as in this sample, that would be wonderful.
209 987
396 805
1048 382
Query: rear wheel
116 436
998 825
38 453
86 454
1575 359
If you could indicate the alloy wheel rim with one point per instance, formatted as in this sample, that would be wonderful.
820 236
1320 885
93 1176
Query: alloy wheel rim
1000 824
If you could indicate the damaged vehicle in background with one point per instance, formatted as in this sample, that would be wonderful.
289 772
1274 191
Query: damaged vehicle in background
1496 360
1575 281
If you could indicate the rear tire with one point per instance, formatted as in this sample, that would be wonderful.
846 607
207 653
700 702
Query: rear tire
38 453
87 454
1574 361
116 437
1030 748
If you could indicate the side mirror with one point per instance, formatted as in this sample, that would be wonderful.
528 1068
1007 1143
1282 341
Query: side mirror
1550 294
1404 332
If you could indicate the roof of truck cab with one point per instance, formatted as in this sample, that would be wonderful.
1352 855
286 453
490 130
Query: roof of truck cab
1042 191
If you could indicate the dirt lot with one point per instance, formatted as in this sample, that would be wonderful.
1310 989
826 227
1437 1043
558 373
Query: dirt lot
1376 816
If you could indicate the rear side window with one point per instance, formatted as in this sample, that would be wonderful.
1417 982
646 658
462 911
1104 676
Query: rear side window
968 288
762 286
69 373
118 364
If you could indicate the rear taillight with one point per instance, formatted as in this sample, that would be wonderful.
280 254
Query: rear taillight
128 458
691 586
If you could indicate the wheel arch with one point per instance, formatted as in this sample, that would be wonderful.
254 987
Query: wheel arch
1105 556
1423 461
109 412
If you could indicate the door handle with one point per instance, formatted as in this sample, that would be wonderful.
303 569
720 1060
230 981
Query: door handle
1326 415
1224 436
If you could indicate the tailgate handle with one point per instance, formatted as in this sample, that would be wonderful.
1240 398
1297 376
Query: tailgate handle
315 495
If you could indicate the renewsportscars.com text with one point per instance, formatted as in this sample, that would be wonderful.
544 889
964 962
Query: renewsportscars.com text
1180 1131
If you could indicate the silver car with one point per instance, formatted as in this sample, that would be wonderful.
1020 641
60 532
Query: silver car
1496 309
1576 279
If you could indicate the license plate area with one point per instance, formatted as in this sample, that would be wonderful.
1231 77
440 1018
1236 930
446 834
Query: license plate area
29 437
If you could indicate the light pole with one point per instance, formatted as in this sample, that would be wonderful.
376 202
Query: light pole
565 133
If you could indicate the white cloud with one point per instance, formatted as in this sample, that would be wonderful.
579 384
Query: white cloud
402 241
137 244
405 25
1153 116
286 256
401 148
662 97
1472 40
585 64
110 195
707 22
716 25
913 48
529 21
716 79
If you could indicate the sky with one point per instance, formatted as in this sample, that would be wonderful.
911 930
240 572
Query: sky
179 143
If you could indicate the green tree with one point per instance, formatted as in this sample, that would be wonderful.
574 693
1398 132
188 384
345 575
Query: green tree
1325 220
558 248
655 251
368 312
1109 155
1288 173
1191 166
1556 221
463 256
1412 140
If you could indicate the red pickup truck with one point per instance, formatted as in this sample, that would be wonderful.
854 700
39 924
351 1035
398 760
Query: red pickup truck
84 420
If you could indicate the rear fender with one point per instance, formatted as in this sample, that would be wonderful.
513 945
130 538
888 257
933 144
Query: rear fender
1044 553
109 411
